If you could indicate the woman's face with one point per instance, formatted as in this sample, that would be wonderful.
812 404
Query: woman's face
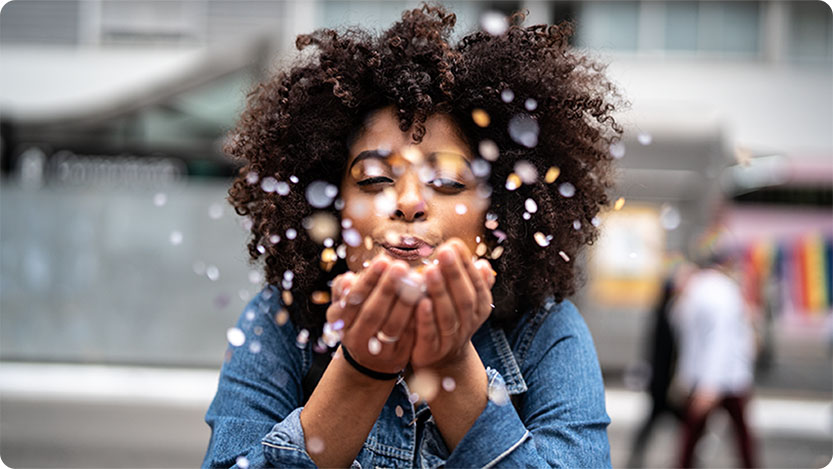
404 199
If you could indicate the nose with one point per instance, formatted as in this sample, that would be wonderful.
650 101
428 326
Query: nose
410 201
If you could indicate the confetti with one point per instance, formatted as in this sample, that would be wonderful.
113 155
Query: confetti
286 296
488 150
302 338
481 168
617 150
480 117
315 445
254 346
497 252
291 233
294 179
235 336
526 216
507 95
669 217
541 239
564 256
282 188
274 239
461 209
526 171
176 238
255 276
212 272
552 174
530 206
320 194
320 297
449 384
480 251
399 412
269 184
252 177
494 22
374 346
281 317
491 224
261 249
160 199
425 384
199 267
576 225
513 182
530 104
385 201
368 243
644 138
620 202
242 462
215 211
320 226
596 221
411 288
567 190
523 129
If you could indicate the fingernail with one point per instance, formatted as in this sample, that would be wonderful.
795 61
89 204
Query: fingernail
379 266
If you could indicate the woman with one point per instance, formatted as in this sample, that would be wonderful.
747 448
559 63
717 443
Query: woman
418 207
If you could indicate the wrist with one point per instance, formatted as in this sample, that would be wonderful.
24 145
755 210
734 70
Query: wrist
461 363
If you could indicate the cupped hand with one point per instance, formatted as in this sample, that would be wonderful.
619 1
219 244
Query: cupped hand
377 321
459 301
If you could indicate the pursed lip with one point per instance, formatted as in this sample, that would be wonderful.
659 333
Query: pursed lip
410 248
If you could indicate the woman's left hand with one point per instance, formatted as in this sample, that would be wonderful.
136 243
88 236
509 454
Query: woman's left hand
459 301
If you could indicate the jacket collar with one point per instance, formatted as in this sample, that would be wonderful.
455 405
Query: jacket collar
495 352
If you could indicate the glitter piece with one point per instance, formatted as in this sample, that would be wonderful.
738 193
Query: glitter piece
488 150
480 117
567 190
541 239
274 239
160 199
617 150
282 188
526 171
552 174
250 315
286 296
497 252
269 184
212 272
494 22
281 317
596 221
176 238
242 462
530 104
669 217
320 297
523 129
449 384
288 275
315 445
261 249
576 225
399 412
320 194
328 242
507 95
620 202
530 206
235 336
366 264
374 346
252 177
255 276
461 209
513 182
526 216
294 179
564 256
291 233
481 250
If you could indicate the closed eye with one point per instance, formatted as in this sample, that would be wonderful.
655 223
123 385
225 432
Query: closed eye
374 180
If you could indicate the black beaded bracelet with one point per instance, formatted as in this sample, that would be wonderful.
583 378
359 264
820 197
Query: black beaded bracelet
367 371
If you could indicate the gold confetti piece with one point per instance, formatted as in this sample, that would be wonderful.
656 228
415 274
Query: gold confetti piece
552 174
287 297
328 259
497 252
513 181
620 202
541 239
480 117
320 297
481 250
281 316
368 243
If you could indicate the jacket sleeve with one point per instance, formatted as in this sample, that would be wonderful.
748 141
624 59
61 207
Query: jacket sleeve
562 420
255 415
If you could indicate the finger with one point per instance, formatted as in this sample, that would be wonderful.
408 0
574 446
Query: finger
486 270
426 337
483 294
354 297
408 336
445 314
458 284
408 293
376 308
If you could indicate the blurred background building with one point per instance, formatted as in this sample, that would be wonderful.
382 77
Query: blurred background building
115 239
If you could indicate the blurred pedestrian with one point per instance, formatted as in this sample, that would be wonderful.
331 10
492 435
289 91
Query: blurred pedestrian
716 355
662 356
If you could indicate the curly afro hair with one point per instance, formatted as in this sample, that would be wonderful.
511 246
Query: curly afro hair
298 125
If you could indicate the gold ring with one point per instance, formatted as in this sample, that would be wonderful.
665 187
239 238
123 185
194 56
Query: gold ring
452 331
386 338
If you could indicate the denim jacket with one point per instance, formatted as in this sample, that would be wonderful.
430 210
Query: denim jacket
548 358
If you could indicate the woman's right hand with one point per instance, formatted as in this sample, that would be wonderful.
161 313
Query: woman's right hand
375 314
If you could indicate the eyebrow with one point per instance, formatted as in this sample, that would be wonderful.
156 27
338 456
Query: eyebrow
383 156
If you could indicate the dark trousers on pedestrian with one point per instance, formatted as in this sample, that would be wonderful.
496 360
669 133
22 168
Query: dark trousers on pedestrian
735 405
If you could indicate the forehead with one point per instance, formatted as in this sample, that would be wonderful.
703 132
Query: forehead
381 130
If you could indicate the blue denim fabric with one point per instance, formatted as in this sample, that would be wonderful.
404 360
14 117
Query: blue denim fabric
549 358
